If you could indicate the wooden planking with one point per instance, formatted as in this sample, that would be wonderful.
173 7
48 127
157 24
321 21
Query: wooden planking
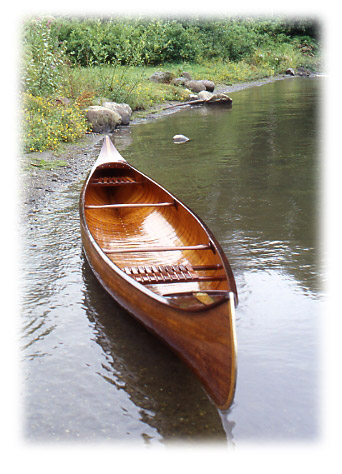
138 226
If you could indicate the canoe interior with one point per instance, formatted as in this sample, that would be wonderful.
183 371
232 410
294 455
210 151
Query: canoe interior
153 238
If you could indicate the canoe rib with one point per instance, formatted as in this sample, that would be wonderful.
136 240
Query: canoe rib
141 226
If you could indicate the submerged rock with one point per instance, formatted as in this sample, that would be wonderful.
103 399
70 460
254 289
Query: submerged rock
180 139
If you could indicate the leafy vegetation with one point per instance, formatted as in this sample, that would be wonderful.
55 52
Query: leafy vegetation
43 59
89 59
157 41
47 123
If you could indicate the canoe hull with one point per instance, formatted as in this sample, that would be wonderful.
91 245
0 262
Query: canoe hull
204 340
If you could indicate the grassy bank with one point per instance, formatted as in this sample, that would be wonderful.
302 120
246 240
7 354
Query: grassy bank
54 71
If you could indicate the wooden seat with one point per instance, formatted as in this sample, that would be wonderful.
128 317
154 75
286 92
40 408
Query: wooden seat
168 274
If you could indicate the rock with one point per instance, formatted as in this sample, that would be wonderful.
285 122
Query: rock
209 85
180 139
164 77
204 95
102 120
290 71
301 71
187 76
193 97
62 101
179 81
221 97
195 86
124 110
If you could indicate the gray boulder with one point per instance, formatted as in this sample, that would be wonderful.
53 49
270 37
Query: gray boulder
195 86
301 71
204 95
179 81
290 71
209 85
124 110
186 75
164 77
193 97
102 120
220 98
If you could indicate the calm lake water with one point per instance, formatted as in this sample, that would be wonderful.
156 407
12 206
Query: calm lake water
252 172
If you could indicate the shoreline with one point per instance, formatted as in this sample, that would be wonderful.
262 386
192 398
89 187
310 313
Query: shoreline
37 184
163 109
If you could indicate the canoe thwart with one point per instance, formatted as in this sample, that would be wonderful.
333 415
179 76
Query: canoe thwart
217 266
118 206
159 249
223 293
155 274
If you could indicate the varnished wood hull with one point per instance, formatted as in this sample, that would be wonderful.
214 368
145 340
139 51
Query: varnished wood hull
196 317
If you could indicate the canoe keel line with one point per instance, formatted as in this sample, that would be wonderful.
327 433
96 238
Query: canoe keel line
162 264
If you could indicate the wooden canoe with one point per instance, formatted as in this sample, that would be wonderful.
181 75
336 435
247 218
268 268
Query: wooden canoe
163 265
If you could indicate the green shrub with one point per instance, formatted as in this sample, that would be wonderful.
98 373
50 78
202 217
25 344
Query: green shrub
46 124
157 41
43 58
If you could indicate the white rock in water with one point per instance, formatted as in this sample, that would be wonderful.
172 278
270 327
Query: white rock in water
180 139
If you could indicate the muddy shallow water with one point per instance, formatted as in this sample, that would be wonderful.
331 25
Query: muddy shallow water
90 372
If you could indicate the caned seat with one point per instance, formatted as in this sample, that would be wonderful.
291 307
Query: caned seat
167 274
112 181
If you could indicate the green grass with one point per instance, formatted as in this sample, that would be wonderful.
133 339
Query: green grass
49 165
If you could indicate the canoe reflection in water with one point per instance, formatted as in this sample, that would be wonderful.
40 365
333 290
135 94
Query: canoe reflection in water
167 394
162 264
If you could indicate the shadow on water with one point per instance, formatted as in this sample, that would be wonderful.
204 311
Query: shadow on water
169 396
